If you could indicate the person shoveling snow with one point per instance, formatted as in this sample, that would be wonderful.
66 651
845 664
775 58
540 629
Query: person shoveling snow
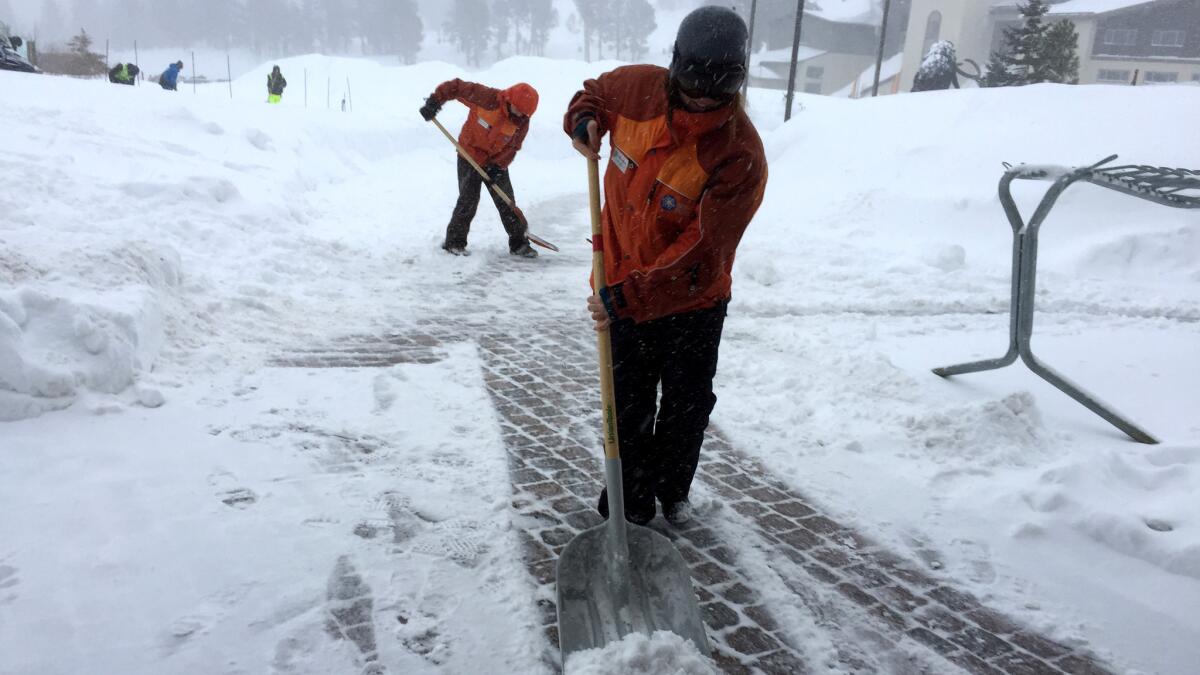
663 653
492 135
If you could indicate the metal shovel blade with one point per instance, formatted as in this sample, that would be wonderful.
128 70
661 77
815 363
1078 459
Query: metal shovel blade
602 599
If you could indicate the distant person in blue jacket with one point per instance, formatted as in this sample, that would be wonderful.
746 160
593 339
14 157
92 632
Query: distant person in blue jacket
170 77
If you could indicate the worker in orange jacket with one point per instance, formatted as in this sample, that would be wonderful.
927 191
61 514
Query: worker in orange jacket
496 126
686 174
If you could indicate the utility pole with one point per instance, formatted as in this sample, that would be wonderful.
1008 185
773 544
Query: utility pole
193 73
749 48
887 4
791 90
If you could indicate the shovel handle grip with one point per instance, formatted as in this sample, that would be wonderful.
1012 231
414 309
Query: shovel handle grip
603 341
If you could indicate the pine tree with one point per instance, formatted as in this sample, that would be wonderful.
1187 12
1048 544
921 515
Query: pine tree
997 73
527 22
589 15
468 28
337 24
410 31
1061 54
83 62
391 27
634 21
1034 51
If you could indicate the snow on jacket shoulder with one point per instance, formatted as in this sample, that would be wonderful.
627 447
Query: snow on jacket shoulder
489 135
680 190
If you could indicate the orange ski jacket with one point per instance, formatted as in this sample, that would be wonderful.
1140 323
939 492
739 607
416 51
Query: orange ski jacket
680 190
490 135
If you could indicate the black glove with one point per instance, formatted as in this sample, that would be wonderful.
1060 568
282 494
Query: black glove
431 108
580 132
611 296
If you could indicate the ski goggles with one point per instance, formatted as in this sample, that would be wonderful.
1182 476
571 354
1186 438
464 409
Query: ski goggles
721 81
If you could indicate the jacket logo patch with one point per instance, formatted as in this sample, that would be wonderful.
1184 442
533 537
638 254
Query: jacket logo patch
668 203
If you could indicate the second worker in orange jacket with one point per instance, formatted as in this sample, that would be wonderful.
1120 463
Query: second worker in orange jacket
492 136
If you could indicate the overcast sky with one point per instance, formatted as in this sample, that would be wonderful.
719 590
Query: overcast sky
25 12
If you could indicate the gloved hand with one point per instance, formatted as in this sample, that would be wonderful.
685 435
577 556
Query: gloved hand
602 307
586 137
431 108
608 297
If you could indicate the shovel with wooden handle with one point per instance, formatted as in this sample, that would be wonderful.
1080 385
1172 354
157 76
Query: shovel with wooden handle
619 578
487 180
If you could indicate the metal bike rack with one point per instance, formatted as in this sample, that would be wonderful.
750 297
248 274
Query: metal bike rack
1179 188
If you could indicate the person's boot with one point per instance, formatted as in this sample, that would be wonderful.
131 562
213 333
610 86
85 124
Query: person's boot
524 251
455 249
678 513
636 516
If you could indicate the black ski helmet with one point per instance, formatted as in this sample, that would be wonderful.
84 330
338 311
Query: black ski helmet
710 53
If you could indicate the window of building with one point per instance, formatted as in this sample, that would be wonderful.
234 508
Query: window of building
1121 76
1122 37
815 72
1153 76
933 31
812 88
1196 77
1167 38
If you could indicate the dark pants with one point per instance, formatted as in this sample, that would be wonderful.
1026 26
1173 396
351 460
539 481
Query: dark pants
469 184
660 440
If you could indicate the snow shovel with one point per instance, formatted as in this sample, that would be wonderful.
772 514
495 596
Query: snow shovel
487 180
619 578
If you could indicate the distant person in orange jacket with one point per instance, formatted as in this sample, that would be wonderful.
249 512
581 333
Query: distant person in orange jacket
492 135
686 174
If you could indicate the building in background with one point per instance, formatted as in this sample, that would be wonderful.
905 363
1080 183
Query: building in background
1158 40
838 43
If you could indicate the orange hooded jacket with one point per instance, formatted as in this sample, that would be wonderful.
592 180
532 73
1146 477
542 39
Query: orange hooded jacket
679 191
490 135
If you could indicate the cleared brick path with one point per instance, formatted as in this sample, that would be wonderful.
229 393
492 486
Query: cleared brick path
765 554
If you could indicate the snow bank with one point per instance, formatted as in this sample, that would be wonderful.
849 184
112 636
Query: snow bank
663 653
881 251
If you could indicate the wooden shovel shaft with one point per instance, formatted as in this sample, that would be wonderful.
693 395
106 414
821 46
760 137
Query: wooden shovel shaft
465 155
604 341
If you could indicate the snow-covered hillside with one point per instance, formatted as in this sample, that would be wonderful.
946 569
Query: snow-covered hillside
159 251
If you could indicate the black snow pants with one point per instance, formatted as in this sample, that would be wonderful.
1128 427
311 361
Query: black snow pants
469 184
660 439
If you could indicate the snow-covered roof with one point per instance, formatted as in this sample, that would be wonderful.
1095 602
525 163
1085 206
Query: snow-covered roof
784 54
775 63
1083 6
1094 6
889 69
844 11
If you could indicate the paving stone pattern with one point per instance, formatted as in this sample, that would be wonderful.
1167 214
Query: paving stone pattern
885 615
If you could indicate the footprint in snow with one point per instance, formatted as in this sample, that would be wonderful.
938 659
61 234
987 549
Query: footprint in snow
8 580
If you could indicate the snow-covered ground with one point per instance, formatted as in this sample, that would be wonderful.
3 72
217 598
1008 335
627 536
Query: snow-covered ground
174 503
